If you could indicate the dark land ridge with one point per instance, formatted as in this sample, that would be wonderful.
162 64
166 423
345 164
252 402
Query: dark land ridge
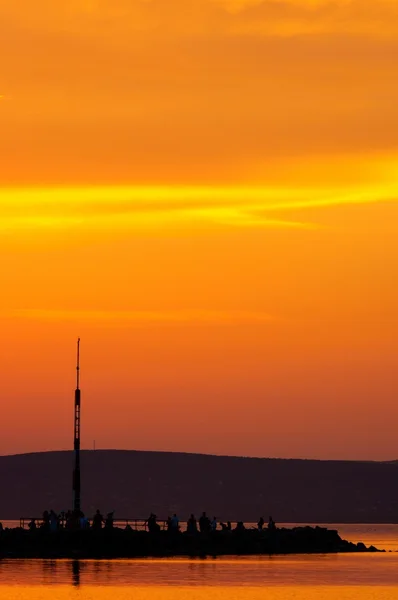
135 483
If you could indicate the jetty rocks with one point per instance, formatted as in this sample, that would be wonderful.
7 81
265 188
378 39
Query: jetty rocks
128 543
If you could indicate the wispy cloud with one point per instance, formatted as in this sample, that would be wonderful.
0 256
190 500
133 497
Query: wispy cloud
285 18
162 207
137 317
166 18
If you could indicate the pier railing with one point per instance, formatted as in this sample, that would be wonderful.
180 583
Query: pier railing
123 523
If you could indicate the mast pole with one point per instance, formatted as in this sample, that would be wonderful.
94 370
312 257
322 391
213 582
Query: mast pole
76 442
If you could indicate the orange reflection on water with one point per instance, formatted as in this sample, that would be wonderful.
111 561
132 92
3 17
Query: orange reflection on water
278 578
201 593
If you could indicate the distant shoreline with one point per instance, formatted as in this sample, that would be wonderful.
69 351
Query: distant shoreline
293 491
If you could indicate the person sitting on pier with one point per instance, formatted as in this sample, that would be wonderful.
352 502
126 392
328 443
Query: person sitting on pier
240 526
32 525
260 524
109 521
214 524
98 519
271 524
153 526
204 523
192 526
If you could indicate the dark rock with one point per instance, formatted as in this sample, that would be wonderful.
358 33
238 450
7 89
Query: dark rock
119 543
361 546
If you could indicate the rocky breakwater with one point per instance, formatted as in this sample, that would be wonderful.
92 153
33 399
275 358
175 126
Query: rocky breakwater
127 543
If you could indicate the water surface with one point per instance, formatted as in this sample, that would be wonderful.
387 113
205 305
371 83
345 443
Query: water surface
318 577
364 576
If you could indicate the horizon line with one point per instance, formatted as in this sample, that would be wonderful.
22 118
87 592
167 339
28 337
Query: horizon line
210 455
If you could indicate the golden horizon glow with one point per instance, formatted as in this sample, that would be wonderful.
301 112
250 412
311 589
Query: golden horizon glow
207 193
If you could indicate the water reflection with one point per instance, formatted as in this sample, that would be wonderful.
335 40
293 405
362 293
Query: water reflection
49 568
76 572
332 570
99 572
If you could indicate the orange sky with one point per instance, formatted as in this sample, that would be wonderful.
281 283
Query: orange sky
206 191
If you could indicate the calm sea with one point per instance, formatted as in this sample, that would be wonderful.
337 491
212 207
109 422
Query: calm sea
345 577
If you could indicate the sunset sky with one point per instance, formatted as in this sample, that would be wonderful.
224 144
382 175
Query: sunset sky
206 191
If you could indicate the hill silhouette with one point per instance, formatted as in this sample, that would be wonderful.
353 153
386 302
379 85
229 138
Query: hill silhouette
134 483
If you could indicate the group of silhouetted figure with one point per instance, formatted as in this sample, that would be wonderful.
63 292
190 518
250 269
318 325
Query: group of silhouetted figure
70 520
205 525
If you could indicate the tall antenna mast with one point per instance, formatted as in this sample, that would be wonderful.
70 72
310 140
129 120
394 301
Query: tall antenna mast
76 444
78 366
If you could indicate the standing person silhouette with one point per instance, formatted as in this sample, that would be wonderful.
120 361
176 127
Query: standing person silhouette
109 521
204 523
175 523
192 526
98 520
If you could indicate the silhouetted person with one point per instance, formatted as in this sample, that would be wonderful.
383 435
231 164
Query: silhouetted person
46 520
153 526
53 521
240 526
169 525
109 521
1 527
32 525
150 522
260 524
61 520
214 524
204 523
192 526
229 526
69 520
271 524
84 522
175 523
98 519
224 527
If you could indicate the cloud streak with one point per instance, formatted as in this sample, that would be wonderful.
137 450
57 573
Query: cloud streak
286 18
151 207
197 17
136 318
